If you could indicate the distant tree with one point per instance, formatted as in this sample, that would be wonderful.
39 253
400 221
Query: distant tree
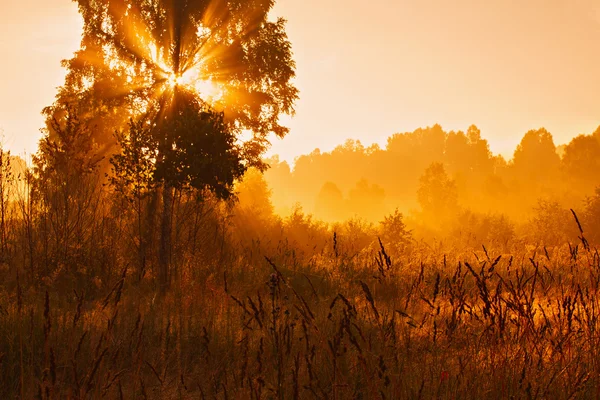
351 155
493 191
470 163
305 233
279 178
596 133
330 204
420 148
482 163
407 155
254 195
437 194
477 229
457 154
309 174
353 236
560 150
552 224
366 200
591 217
535 160
394 233
581 161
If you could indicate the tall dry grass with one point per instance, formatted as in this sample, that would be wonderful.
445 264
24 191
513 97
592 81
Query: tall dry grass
481 326
299 313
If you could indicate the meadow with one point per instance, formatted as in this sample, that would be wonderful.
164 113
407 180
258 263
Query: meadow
262 307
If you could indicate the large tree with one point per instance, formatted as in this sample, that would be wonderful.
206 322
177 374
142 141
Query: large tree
197 73
137 55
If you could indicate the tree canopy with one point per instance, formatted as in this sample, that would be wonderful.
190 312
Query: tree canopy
138 56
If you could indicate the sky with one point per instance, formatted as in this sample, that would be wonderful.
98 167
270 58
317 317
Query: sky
366 70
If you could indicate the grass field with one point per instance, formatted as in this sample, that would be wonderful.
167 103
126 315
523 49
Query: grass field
277 321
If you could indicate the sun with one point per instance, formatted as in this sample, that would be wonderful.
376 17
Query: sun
193 81
174 80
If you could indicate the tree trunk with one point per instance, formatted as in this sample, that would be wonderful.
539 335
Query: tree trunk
164 250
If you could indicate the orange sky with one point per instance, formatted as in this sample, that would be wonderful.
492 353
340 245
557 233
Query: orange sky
369 69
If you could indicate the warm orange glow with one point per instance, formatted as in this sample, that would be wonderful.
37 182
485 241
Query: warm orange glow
192 79
174 80
486 72
158 75
149 250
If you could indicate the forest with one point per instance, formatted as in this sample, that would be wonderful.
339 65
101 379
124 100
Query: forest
150 250
450 185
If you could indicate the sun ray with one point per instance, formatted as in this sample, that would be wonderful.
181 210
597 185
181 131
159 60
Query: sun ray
142 56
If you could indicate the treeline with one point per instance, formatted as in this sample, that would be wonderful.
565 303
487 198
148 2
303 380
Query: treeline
436 176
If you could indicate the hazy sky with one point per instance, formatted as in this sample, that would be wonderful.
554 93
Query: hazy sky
369 69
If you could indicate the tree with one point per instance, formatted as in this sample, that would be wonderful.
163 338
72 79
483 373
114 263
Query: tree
581 161
7 180
278 176
482 163
135 53
394 233
591 217
476 229
596 133
254 195
552 224
470 162
456 153
132 177
535 160
197 72
437 194
366 199
254 216
330 203
67 187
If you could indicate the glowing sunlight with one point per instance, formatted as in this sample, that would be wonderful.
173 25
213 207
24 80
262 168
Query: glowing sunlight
284 199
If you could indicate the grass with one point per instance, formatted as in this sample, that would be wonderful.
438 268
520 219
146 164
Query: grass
372 326
264 308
